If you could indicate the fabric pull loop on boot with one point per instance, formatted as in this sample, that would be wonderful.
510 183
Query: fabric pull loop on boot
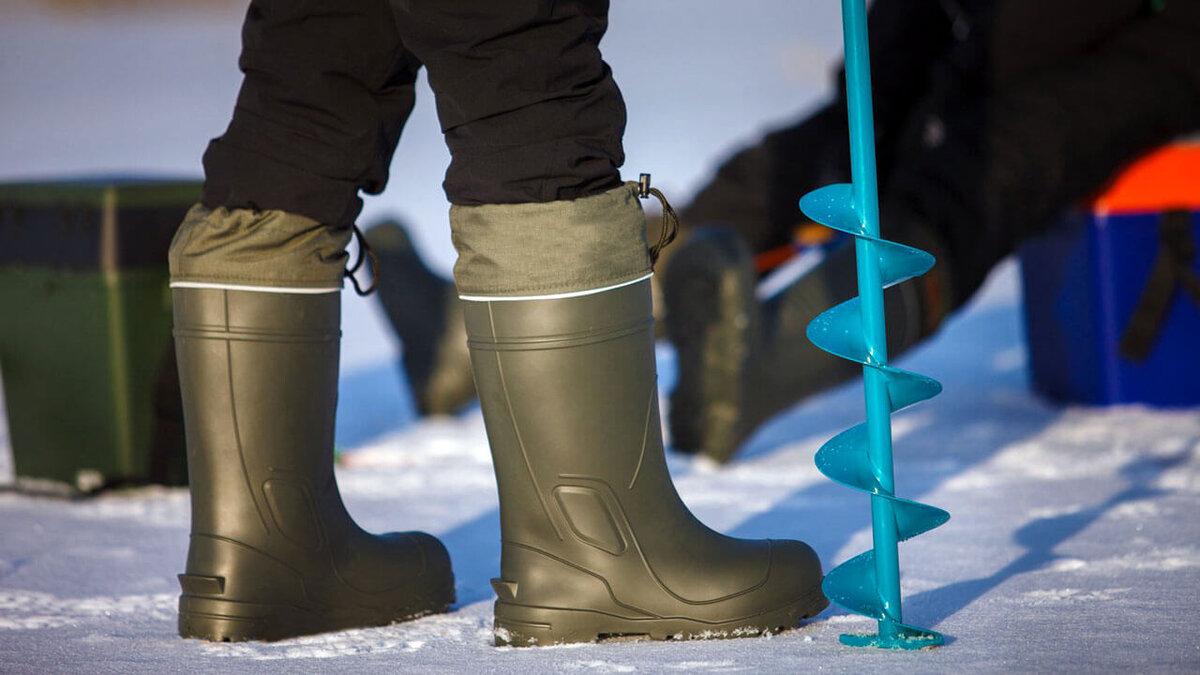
365 252
670 220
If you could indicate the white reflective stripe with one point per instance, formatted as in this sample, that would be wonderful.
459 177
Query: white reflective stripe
787 274
555 296
259 289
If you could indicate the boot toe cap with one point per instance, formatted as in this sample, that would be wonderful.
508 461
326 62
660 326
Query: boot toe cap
795 572
436 573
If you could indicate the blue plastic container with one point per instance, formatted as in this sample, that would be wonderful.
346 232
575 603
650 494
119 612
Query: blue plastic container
1084 281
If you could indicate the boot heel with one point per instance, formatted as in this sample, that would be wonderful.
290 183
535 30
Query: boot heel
521 626
228 621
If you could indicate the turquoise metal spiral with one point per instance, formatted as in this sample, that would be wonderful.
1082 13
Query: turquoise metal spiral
861 457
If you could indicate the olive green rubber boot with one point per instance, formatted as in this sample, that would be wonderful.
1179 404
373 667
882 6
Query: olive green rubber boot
273 552
596 542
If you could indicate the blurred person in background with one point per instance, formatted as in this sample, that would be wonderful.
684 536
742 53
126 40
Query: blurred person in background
992 118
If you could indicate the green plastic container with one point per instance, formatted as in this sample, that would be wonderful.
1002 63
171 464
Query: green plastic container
85 331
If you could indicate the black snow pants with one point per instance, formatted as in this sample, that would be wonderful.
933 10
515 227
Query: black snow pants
992 118
529 110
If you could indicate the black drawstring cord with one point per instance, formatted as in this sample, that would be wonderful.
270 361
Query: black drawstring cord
670 222
365 252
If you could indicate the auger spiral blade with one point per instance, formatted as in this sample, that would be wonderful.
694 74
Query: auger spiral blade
861 457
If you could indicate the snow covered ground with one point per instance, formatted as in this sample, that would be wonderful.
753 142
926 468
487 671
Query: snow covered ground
1074 543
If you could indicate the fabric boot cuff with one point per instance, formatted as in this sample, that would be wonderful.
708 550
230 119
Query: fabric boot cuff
277 250
551 248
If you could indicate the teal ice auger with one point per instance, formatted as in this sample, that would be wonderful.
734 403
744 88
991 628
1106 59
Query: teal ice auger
861 456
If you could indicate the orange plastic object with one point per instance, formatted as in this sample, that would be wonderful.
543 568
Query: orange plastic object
805 235
1168 178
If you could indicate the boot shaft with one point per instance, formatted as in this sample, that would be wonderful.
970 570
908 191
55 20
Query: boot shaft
260 373
563 382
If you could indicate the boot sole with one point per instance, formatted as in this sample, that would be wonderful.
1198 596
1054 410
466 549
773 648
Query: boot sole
231 621
526 626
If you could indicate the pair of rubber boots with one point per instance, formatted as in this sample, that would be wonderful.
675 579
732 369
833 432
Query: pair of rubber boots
595 540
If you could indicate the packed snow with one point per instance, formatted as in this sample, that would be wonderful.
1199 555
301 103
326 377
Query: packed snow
1073 545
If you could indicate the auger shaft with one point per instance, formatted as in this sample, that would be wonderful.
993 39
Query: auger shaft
870 290
860 457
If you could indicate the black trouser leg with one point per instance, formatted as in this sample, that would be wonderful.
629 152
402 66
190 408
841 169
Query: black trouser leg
529 109
328 86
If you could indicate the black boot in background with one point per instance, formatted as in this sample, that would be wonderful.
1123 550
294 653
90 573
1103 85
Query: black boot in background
742 360
426 314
